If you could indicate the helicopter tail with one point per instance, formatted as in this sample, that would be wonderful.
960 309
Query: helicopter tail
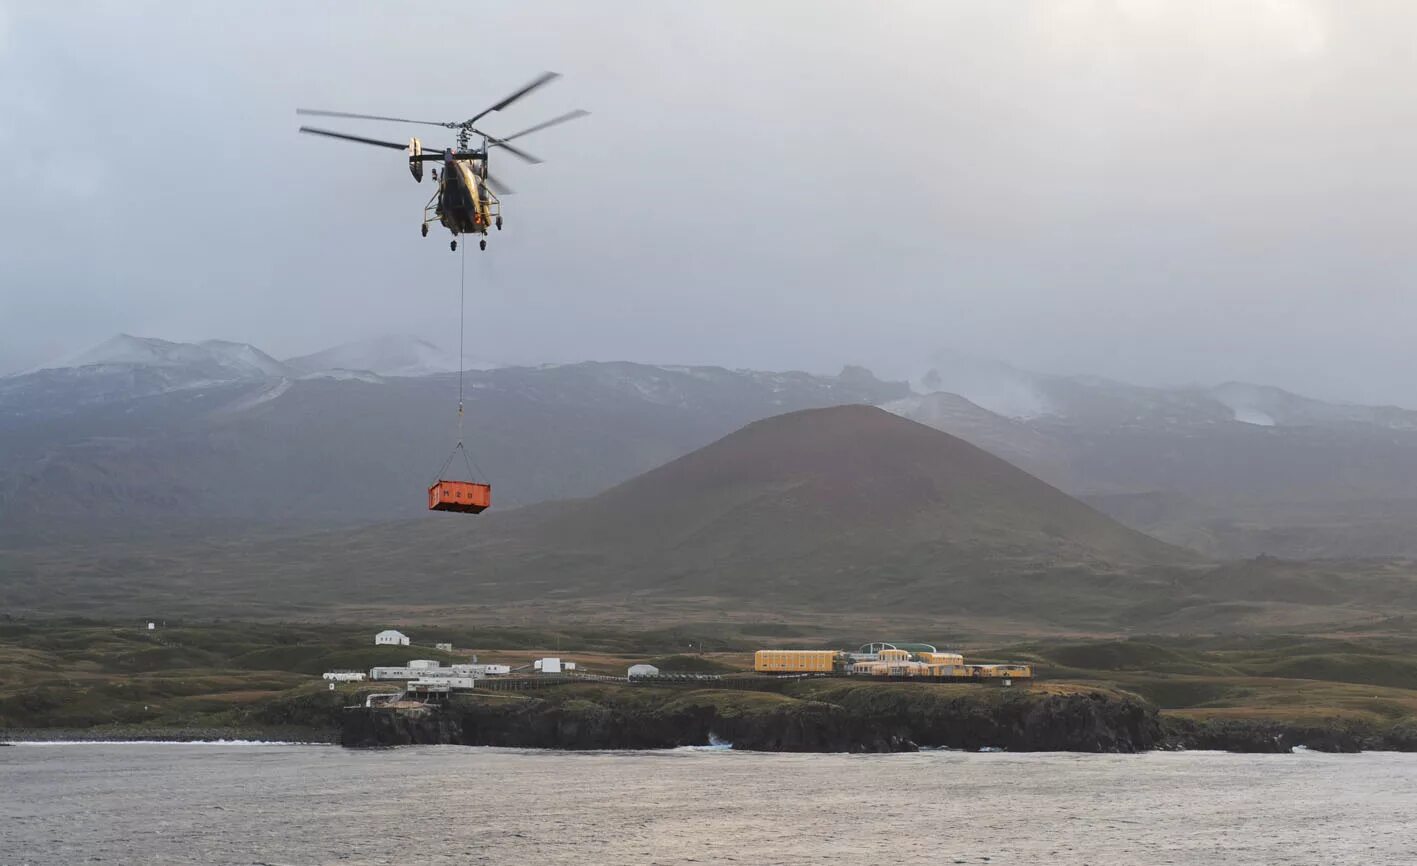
415 159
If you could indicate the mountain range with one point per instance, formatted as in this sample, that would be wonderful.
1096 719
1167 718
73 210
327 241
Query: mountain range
139 432
148 433
1235 470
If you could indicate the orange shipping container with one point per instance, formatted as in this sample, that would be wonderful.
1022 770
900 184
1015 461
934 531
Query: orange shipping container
467 497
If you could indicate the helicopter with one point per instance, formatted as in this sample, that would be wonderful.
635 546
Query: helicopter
467 199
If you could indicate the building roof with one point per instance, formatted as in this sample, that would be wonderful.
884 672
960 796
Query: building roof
908 647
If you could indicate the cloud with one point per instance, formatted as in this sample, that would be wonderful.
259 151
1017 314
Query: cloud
1151 191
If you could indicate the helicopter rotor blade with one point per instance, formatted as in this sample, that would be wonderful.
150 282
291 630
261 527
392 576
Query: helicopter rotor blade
497 186
542 79
320 113
555 121
374 141
515 151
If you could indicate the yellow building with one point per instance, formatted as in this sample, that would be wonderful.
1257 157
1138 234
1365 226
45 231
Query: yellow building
887 660
794 661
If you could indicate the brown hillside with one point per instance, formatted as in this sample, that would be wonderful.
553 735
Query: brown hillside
810 476
848 508
826 507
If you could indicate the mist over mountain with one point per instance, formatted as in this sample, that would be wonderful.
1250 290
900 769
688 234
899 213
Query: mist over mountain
1093 400
220 359
1232 470
391 355
141 431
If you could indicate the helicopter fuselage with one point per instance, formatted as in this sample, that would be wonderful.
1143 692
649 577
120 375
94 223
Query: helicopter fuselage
464 204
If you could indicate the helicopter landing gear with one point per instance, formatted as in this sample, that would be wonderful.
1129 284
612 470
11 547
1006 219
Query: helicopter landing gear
425 229
499 223
482 244
453 246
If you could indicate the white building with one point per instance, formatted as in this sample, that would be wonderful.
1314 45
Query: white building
423 669
344 676
547 666
389 637
444 647
431 669
450 682
395 673
642 671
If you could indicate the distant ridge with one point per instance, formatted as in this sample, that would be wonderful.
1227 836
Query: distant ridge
118 447
221 359
138 431
390 355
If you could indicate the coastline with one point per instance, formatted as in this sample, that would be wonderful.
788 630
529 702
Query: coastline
154 734
823 716
1233 736
806 717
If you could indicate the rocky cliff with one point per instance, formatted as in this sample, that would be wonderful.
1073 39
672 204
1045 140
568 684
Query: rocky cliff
864 718
1037 719
1277 735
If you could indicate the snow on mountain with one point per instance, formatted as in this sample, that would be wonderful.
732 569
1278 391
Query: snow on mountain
1093 401
219 359
244 358
347 376
1258 404
128 368
1252 404
263 395
391 355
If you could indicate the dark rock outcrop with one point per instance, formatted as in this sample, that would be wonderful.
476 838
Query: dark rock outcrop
1023 720
1266 735
791 726
868 718
367 728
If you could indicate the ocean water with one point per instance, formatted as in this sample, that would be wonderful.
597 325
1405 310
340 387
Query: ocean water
238 803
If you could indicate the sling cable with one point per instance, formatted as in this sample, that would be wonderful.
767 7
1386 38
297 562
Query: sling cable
466 497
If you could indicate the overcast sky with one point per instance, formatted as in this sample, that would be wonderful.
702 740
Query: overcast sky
1162 192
